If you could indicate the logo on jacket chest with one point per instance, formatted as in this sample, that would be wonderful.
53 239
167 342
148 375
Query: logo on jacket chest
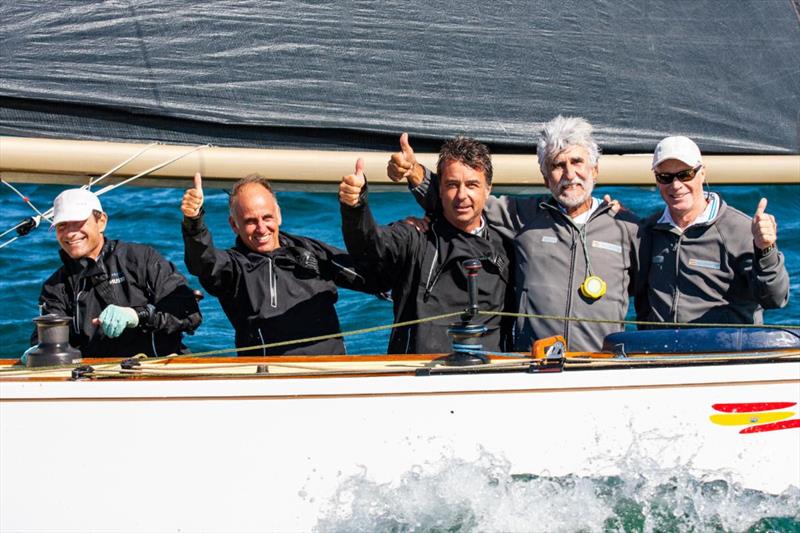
116 278
702 263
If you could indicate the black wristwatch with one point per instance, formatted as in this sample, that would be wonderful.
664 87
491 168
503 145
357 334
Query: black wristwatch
766 251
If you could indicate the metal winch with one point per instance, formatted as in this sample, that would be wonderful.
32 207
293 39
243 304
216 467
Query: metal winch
53 348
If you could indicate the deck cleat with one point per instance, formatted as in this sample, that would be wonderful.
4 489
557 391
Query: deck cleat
548 354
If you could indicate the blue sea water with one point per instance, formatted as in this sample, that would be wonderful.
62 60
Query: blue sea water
152 216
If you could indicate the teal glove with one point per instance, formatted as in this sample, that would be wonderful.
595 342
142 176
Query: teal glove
114 319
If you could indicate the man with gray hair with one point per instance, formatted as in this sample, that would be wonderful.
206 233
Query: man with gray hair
576 256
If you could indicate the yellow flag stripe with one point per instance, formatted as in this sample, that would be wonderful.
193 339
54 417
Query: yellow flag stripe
743 419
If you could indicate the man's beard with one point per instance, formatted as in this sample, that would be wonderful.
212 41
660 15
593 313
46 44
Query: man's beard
573 201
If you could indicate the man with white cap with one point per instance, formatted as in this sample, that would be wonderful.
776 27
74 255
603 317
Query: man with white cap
708 262
124 298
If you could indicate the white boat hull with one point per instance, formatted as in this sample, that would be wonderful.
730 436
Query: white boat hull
267 454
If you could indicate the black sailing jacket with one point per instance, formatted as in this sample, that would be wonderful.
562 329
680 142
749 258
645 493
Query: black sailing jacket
273 297
426 277
128 275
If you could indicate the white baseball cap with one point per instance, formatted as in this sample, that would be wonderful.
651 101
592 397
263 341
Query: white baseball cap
677 147
75 204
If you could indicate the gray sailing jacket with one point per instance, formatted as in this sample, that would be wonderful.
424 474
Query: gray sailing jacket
551 265
711 273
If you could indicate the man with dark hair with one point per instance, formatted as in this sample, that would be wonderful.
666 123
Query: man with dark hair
576 256
124 298
424 270
273 286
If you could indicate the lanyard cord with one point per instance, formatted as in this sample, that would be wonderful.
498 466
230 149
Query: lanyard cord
582 235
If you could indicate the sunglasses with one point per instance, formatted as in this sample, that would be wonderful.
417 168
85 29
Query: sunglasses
665 178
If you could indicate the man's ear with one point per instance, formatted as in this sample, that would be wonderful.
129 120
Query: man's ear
232 222
102 222
596 171
278 213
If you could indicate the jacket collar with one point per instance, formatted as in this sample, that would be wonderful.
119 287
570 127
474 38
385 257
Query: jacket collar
85 264
446 229
551 204
709 215
286 241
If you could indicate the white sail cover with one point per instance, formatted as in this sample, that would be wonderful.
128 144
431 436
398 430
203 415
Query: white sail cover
353 74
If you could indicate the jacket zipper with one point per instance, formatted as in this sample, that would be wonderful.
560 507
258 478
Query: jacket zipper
273 282
76 320
428 284
676 291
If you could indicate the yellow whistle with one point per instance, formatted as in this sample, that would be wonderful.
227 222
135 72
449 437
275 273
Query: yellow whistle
593 287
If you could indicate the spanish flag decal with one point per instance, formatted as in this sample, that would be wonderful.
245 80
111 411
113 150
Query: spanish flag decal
758 417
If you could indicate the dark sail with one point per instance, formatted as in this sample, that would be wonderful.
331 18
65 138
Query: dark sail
353 74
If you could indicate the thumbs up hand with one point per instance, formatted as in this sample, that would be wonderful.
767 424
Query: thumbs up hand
193 198
764 227
403 164
350 187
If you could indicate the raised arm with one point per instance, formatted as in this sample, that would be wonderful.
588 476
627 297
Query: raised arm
769 279
372 247
215 268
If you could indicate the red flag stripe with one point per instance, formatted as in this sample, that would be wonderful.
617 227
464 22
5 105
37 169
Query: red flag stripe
783 424
751 407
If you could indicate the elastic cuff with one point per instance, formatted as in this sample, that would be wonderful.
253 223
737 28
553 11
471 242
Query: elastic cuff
145 314
770 250
362 198
194 224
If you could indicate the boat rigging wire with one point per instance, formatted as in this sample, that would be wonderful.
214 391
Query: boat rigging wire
152 169
24 199
27 225
131 158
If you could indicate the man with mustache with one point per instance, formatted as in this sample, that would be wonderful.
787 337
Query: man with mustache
576 256
709 262
124 298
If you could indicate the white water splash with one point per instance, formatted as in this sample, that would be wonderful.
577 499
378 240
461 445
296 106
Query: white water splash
483 496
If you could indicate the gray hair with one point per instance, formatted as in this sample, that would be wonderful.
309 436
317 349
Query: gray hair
560 133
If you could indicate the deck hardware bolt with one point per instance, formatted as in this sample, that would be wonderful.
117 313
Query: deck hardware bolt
82 372
130 363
